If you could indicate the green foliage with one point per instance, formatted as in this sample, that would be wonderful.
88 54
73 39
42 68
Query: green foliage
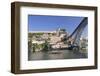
30 35
43 47
38 33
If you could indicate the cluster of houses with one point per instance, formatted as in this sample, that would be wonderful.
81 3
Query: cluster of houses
52 39
47 40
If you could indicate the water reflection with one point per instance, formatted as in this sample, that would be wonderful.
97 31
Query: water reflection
59 54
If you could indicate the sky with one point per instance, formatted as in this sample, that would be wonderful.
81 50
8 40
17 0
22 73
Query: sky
52 23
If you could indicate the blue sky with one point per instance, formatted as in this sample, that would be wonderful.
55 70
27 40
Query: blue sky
51 23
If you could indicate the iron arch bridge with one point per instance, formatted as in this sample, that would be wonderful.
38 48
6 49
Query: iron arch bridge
76 34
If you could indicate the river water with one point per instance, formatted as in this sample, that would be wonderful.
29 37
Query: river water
58 54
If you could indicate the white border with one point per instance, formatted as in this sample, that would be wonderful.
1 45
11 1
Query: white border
25 64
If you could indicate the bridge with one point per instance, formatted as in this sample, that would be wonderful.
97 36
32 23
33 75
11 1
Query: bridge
76 34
